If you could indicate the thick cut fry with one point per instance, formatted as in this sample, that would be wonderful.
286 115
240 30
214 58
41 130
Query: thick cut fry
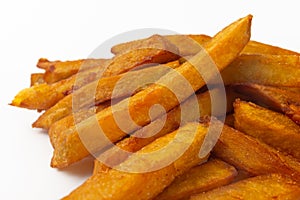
116 184
43 96
210 175
273 128
274 70
152 131
120 86
278 99
36 78
223 49
253 156
192 44
272 186
58 70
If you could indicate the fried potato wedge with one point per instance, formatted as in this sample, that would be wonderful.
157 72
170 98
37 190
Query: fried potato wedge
113 87
192 44
36 78
279 99
274 70
253 156
272 128
43 96
223 49
271 186
212 174
59 70
118 184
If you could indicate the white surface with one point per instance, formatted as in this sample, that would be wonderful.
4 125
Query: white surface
71 30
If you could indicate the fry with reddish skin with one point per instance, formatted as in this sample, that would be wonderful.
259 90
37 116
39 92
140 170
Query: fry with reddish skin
271 186
212 174
102 90
43 96
253 156
222 49
36 78
117 184
272 128
274 70
278 99
58 70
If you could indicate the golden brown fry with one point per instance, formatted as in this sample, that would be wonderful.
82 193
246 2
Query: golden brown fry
278 99
116 184
274 70
253 156
36 78
273 128
120 86
212 174
44 96
223 49
58 70
271 186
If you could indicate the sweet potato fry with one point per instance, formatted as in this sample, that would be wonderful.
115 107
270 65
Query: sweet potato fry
212 174
273 128
58 70
274 70
117 184
253 156
43 96
36 78
278 99
271 186
120 86
223 49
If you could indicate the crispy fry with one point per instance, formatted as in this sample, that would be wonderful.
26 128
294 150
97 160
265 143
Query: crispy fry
36 78
271 186
43 96
234 36
116 184
278 99
253 156
58 70
273 128
210 175
119 86
274 70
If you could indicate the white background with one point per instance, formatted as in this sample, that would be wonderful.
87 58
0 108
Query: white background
71 30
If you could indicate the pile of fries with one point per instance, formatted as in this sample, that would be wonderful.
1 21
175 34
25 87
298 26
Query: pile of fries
257 154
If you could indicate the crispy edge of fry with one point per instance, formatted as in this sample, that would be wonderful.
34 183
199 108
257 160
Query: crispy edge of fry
262 187
274 70
212 174
236 35
279 99
117 184
100 91
36 78
272 128
253 156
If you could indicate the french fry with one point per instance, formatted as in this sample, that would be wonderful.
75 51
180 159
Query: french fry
271 186
253 156
223 49
274 70
150 132
272 128
212 174
102 90
117 184
36 78
279 99
58 70
43 96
